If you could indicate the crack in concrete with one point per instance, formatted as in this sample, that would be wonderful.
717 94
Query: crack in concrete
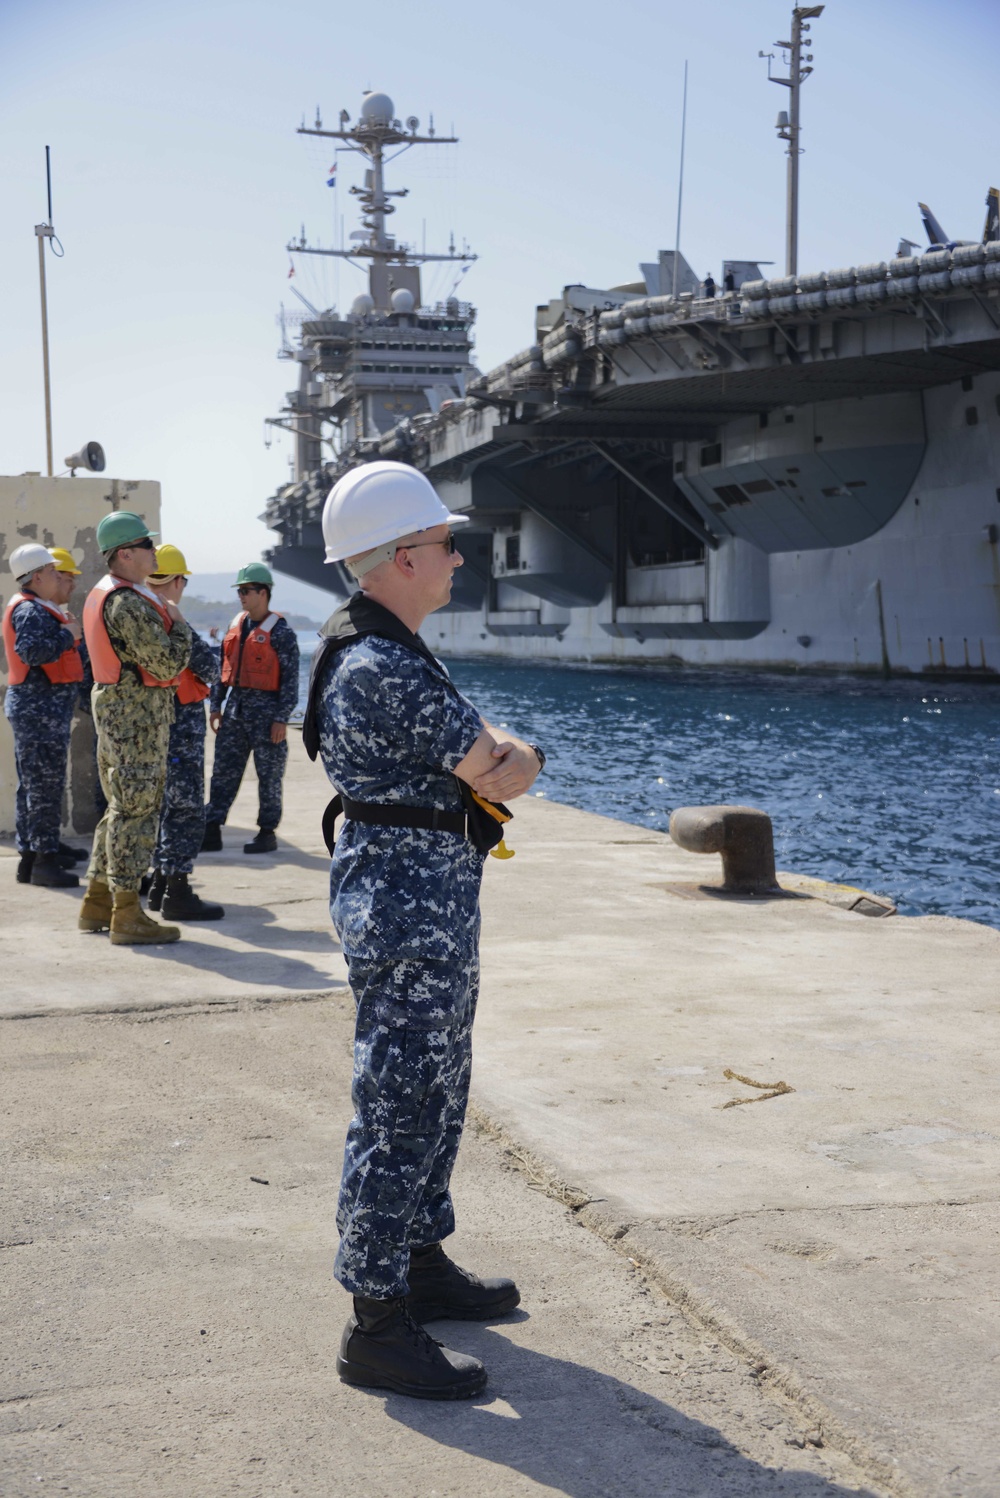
875 1465
184 1007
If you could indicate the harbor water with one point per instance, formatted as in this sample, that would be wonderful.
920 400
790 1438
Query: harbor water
891 786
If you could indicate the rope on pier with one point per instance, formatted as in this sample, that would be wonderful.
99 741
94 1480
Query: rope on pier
766 1089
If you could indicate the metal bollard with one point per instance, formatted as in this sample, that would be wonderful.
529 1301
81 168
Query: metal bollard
741 834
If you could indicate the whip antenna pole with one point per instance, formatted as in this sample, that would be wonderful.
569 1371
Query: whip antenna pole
680 182
44 232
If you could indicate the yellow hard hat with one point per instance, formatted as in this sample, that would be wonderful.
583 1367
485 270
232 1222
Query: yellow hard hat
169 563
64 561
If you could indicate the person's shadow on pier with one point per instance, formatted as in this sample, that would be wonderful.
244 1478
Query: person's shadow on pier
258 926
234 857
271 969
586 1434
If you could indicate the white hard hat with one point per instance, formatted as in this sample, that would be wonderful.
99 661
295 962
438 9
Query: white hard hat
377 503
24 560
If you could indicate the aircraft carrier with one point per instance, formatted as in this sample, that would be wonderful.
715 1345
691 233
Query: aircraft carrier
800 472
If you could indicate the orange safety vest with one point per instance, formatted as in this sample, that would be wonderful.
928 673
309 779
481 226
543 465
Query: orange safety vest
256 664
104 659
191 688
66 668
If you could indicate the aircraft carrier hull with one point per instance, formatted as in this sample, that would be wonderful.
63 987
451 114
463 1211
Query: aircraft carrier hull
921 594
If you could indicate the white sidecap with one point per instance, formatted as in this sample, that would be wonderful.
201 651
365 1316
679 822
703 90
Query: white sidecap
24 560
377 503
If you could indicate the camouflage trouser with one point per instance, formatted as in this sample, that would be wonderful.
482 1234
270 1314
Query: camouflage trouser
182 820
411 1086
132 763
40 717
240 736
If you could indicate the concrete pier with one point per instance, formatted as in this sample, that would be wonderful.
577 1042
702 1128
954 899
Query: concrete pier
726 1287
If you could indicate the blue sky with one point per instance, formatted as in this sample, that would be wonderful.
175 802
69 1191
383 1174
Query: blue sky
178 179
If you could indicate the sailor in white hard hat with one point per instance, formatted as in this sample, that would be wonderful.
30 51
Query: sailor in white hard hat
403 748
44 669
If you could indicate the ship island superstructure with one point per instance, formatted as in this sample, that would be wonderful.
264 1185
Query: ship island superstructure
797 472
389 358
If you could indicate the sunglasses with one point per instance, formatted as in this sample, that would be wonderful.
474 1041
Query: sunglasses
449 543
248 588
146 544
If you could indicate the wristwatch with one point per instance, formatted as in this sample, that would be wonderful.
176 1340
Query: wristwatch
541 755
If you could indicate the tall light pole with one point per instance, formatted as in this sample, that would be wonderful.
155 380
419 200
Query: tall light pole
788 122
44 232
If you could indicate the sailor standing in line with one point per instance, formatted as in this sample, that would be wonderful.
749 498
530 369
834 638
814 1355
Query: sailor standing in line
68 572
182 819
398 741
44 669
138 648
260 673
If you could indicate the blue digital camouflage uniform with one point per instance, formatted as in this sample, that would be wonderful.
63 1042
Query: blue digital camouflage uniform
40 715
246 729
182 818
405 904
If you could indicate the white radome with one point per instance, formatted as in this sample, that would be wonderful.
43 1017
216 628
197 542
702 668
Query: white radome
402 299
377 109
362 306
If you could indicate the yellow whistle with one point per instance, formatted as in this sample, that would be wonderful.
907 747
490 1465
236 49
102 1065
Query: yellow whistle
501 850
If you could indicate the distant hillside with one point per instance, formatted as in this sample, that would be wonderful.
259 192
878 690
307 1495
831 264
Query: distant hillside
207 614
289 594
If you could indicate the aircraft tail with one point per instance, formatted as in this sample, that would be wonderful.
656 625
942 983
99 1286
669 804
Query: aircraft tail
935 233
992 228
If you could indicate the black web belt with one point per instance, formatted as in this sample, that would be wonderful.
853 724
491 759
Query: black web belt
388 814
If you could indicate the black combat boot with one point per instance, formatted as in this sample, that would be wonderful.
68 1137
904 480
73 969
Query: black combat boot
441 1291
75 855
47 871
24 866
155 883
264 842
181 903
383 1348
212 841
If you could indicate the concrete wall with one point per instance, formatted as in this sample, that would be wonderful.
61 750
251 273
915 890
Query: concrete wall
63 512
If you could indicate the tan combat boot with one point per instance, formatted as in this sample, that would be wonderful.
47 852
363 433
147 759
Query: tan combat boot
132 927
95 912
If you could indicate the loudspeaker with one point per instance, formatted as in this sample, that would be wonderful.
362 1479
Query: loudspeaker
90 456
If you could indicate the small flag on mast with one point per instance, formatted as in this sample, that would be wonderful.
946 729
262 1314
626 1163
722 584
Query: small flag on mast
291 269
331 181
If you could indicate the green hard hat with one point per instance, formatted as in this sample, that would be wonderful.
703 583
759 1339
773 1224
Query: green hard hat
121 528
254 572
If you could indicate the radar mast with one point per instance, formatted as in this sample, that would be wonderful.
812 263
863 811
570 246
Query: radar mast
392 265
